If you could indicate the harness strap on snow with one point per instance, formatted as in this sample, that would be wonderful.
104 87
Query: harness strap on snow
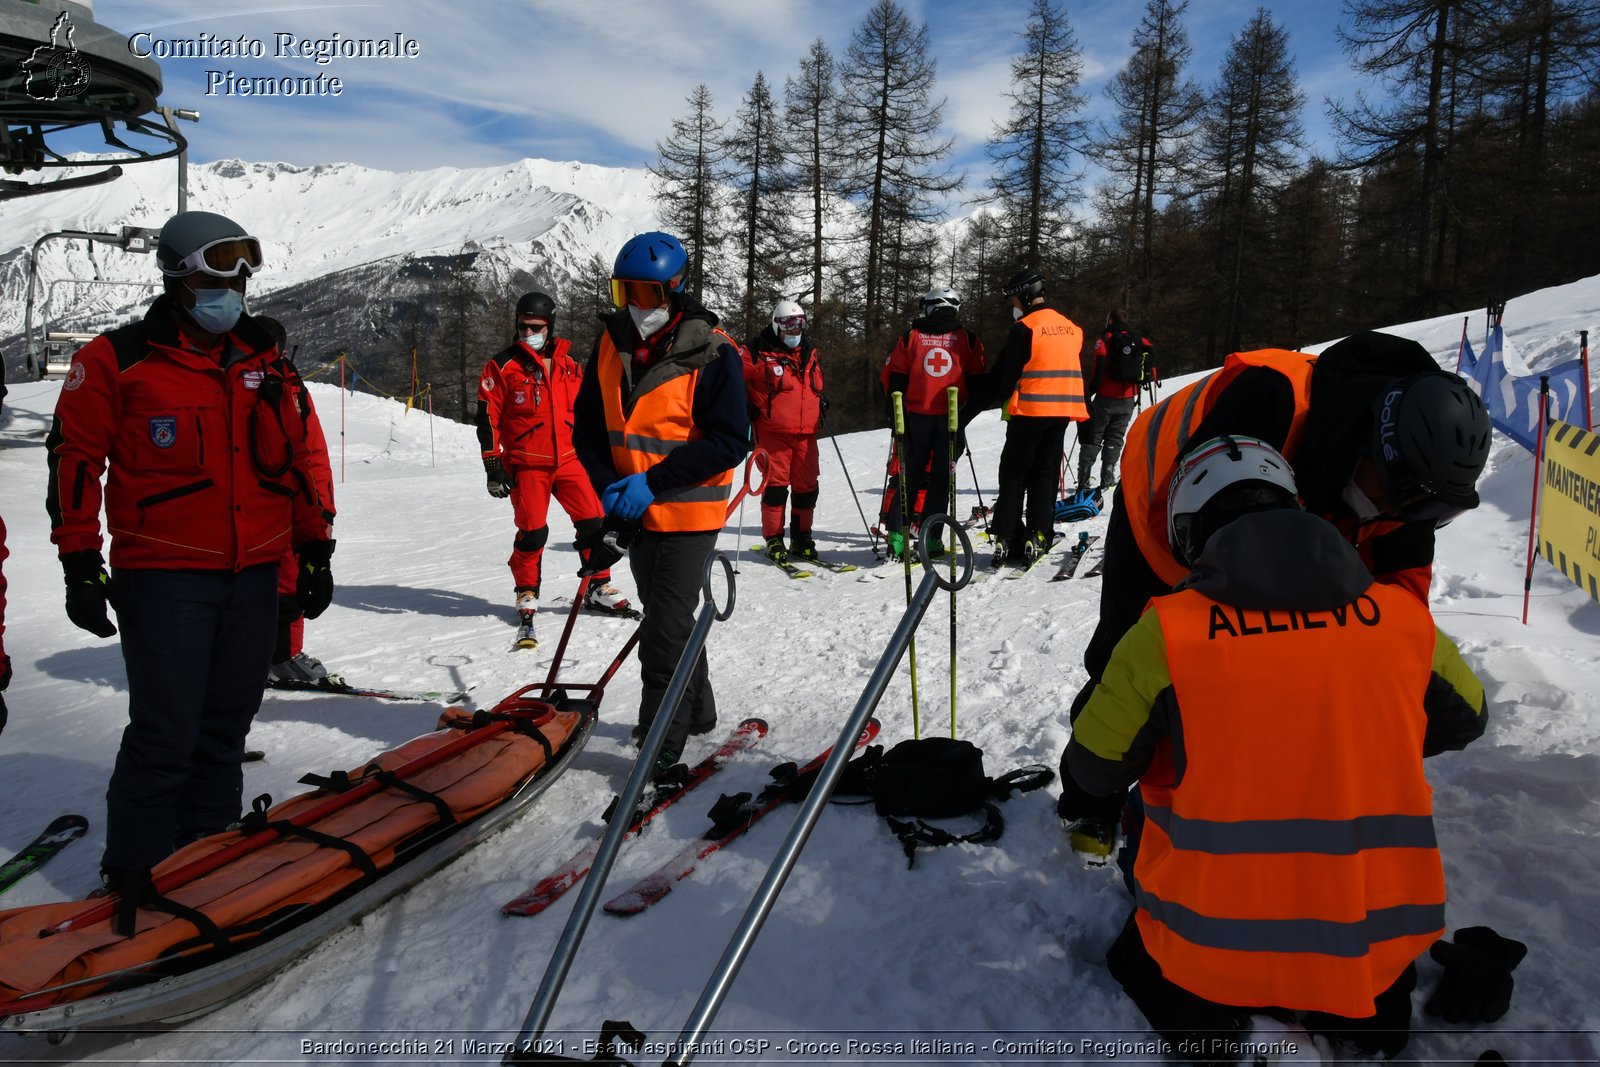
390 779
357 854
912 834
1022 780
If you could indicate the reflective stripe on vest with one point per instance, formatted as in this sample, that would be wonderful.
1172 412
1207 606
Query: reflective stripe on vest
1162 433
1051 385
660 421
1288 856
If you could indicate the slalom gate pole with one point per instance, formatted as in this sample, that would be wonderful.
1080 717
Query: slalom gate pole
567 947
717 987
952 396
1583 359
1533 506
341 418
872 538
899 401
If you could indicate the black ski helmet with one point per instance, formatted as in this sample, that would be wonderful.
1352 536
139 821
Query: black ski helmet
1430 439
1026 283
537 306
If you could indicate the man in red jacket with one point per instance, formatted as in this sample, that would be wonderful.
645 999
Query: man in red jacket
783 383
198 416
525 429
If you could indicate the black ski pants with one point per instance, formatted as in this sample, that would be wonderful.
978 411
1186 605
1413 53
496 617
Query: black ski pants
667 570
1030 470
926 464
196 645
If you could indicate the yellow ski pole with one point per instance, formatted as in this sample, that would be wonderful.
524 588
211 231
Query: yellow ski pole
952 398
899 401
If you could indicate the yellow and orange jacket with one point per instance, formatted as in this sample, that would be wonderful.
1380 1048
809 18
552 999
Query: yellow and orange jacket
1275 711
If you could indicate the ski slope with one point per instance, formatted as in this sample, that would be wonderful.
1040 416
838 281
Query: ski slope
997 945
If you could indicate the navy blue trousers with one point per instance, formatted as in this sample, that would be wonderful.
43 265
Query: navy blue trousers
196 645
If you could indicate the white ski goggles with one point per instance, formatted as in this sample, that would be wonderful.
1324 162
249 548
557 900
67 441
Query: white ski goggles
225 258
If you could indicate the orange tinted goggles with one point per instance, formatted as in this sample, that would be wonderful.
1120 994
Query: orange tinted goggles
222 259
625 292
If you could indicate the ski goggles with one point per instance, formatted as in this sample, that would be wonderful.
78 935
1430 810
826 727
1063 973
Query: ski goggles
1410 500
791 323
225 258
639 294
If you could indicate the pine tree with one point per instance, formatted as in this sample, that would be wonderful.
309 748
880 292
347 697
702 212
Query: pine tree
1250 142
690 182
810 110
761 181
1146 148
1035 182
889 124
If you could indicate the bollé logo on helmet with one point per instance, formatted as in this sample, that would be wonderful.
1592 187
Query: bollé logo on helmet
1387 417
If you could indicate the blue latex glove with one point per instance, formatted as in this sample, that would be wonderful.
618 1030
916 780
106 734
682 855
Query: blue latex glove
628 498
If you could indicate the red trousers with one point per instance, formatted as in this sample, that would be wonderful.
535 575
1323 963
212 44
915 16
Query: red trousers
531 490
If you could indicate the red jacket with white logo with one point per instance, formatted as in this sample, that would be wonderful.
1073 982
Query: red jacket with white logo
936 353
210 462
783 385
525 405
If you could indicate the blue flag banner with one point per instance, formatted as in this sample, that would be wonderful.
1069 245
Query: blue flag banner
1513 400
1467 361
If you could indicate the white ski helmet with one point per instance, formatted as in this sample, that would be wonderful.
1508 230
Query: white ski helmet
938 298
1216 483
787 315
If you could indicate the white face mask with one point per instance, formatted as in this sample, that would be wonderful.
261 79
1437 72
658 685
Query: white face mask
535 341
1017 313
1365 510
649 321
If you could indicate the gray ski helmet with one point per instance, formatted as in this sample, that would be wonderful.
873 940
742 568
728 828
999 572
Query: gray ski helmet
189 231
1430 439
1026 283
537 306
940 298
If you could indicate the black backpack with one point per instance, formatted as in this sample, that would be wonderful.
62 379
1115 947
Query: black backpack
935 778
1128 357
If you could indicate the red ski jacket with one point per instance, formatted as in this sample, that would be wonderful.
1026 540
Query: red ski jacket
209 451
932 356
525 405
783 385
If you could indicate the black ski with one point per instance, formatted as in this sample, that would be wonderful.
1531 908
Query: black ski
597 609
1069 566
58 835
549 889
339 687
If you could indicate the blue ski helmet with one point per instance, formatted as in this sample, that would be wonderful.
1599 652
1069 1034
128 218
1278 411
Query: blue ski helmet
653 257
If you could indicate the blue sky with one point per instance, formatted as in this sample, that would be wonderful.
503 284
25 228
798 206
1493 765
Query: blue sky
599 81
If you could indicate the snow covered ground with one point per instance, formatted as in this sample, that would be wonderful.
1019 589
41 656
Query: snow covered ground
1000 945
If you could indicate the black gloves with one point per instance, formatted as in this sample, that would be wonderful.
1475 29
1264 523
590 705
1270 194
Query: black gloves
605 545
499 484
1476 984
822 404
313 588
89 590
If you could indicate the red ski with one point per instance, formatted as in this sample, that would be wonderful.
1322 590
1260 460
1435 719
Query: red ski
658 884
550 888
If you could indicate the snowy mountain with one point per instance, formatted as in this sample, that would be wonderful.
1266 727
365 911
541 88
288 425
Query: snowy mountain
999 945
534 217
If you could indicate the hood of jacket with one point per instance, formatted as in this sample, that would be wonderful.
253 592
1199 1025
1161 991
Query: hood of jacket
1283 560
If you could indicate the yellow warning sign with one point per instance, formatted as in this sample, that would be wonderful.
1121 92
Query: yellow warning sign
1569 505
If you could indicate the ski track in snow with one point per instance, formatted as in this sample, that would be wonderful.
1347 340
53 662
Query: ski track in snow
979 942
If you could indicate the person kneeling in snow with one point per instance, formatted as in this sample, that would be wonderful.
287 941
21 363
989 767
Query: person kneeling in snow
1274 710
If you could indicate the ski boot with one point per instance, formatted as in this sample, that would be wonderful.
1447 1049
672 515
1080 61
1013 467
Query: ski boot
298 668
1037 544
775 550
608 599
1093 839
527 609
897 546
804 549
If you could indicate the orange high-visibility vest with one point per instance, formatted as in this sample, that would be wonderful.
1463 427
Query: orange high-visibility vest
1288 856
1051 385
653 424
1161 434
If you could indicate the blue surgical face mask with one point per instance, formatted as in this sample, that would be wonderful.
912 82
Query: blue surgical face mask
216 310
792 340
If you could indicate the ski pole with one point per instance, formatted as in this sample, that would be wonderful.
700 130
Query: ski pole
872 538
899 401
983 509
952 396
721 980
567 947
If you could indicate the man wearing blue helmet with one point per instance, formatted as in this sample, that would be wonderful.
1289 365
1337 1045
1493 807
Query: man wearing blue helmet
659 425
